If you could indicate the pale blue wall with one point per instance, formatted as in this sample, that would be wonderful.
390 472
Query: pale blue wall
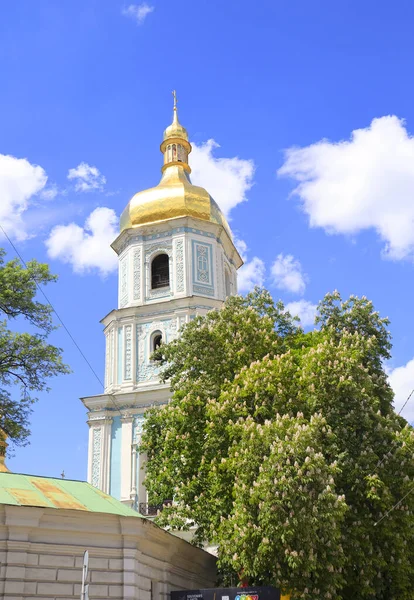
115 473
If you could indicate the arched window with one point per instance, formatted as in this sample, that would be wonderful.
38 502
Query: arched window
227 282
156 340
174 149
160 271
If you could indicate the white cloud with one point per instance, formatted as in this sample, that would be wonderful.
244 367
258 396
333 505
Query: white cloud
250 274
86 178
138 12
364 183
303 309
402 382
287 274
226 179
20 182
50 192
87 248
241 247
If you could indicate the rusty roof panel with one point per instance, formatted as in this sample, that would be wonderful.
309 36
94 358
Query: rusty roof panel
56 495
28 497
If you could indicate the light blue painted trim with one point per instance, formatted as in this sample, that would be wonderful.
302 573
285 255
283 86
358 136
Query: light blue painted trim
120 352
115 463
162 312
169 295
146 369
168 234
201 289
114 410
194 266
157 236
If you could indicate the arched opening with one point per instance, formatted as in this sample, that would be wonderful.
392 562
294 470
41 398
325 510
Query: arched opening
156 340
160 272
227 282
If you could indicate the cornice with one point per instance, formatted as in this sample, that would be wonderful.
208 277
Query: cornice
146 311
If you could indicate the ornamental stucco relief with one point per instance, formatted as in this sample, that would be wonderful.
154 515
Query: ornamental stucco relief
128 352
179 265
96 456
137 274
124 283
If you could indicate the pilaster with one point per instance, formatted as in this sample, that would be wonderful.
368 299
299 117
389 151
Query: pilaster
100 451
126 458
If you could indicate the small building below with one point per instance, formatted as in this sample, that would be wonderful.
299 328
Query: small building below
46 524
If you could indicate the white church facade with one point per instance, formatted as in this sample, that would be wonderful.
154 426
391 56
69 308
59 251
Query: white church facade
177 260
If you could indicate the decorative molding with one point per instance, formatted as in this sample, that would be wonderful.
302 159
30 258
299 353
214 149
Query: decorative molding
127 417
150 251
128 351
107 357
202 264
179 265
206 291
120 354
123 295
139 421
160 293
165 248
136 239
203 268
146 370
96 456
101 418
159 313
137 274
129 241
112 357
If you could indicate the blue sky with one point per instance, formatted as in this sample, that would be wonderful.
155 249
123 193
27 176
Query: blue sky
86 93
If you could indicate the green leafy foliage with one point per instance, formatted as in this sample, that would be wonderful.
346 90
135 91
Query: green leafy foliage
27 360
282 448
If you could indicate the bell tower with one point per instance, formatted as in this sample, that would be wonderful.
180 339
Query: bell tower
177 260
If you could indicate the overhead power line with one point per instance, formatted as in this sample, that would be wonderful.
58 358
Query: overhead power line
395 506
399 413
60 320
382 460
406 402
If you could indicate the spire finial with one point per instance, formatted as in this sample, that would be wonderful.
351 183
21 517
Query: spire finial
175 145
175 116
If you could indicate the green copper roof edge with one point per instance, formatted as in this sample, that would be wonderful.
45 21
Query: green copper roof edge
80 492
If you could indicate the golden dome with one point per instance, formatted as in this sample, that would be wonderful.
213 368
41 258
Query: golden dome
175 196
175 130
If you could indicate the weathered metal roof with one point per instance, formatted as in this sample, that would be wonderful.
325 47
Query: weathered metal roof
31 490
